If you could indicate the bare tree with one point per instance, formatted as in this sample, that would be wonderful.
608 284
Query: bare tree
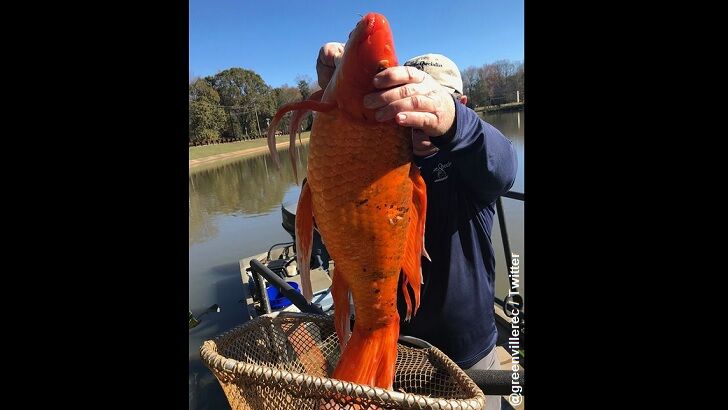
470 82
505 68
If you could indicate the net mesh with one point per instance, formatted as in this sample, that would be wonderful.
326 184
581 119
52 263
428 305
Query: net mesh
283 362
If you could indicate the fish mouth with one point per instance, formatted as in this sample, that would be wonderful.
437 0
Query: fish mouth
373 23
370 26
373 38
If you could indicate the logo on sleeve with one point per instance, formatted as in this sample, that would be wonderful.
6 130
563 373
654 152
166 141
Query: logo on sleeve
439 170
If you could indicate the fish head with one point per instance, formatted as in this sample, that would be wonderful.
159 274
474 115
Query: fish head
369 50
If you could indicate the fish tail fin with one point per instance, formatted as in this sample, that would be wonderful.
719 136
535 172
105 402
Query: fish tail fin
370 356
300 109
304 239
412 263
340 293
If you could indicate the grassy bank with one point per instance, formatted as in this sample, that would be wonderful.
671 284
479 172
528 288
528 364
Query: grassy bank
210 150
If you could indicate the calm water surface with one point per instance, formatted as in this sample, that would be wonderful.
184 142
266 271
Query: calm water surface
235 212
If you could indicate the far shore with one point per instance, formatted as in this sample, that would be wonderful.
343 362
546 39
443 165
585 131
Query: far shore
240 153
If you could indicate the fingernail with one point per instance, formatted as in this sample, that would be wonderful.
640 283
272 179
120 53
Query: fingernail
401 117
377 81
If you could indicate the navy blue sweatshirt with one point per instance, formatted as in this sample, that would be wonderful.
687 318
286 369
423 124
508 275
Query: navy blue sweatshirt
464 178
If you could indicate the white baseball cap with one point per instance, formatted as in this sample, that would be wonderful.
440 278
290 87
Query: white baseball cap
441 69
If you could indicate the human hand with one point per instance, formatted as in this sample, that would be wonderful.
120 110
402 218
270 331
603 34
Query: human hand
328 57
421 144
414 99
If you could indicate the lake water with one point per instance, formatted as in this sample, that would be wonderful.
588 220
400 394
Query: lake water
235 213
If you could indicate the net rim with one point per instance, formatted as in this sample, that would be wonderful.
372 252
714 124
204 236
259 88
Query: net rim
285 379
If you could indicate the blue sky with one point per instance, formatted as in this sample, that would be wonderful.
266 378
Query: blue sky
280 39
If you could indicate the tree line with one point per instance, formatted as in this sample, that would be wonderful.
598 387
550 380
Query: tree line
237 104
493 84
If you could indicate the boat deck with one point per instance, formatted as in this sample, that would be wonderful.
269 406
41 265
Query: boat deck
320 280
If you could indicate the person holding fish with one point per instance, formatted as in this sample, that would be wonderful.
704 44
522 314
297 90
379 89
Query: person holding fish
466 164
401 183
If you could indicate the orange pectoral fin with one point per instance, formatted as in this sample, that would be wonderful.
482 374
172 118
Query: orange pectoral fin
295 125
412 263
304 239
340 294
313 103
298 116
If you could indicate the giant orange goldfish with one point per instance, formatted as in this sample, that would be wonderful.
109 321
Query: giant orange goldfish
368 201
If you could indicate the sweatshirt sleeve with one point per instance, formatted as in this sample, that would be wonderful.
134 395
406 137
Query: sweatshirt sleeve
484 157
